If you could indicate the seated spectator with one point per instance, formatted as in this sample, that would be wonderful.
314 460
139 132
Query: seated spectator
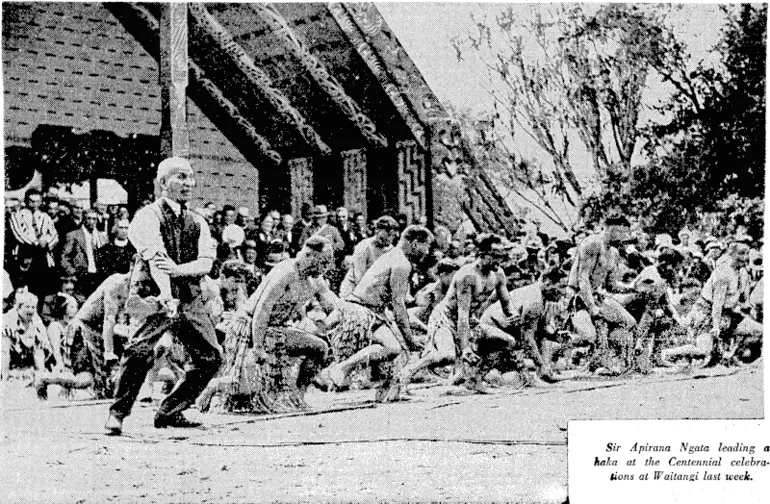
66 289
25 343
7 291
21 271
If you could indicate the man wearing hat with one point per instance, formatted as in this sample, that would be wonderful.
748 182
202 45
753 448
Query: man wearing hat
321 227
369 250
175 245
714 251
454 330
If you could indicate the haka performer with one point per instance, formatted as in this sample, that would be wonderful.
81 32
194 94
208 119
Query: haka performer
177 247
454 328
373 324
264 339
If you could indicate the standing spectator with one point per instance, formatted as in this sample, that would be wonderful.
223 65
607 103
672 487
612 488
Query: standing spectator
346 231
243 218
228 212
276 215
321 227
714 251
265 236
12 206
71 220
403 221
218 224
287 236
116 256
78 257
304 222
34 228
103 220
368 251
52 209
360 228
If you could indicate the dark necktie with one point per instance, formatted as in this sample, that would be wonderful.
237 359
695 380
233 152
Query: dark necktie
182 214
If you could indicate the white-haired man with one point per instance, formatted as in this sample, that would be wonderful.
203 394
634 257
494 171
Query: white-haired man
177 248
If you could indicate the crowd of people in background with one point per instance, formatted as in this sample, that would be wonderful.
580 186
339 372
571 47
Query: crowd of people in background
608 298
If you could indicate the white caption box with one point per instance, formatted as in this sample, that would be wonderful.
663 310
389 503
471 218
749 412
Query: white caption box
698 461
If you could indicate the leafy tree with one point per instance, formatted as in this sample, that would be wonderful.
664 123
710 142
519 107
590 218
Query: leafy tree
710 156
572 82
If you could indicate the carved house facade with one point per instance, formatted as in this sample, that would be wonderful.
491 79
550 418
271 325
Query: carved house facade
284 104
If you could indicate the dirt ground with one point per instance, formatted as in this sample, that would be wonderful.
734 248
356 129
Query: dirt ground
509 446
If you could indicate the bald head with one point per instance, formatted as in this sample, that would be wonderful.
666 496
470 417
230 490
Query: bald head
175 179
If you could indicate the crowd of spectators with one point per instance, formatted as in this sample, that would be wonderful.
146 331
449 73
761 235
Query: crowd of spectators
57 254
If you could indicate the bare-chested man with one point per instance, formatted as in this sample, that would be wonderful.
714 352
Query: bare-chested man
365 318
92 338
717 317
369 250
529 302
454 328
592 279
274 307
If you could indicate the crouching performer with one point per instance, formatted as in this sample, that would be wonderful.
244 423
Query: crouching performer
175 246
718 325
262 343
454 328
91 340
535 338
372 323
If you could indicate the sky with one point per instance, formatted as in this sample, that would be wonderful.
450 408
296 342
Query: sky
425 31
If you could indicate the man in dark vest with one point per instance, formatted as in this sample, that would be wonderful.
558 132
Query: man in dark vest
176 246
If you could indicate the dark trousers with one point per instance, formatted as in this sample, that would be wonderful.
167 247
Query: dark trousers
195 332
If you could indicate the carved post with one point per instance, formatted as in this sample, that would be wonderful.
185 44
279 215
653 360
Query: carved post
411 179
174 137
354 180
302 183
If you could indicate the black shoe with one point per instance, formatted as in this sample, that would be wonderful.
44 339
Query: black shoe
177 421
42 391
114 426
